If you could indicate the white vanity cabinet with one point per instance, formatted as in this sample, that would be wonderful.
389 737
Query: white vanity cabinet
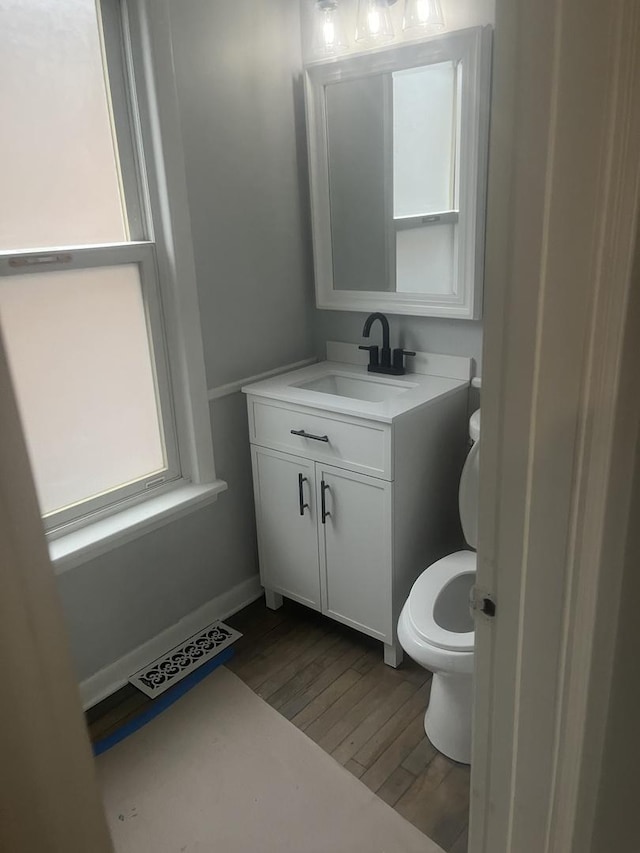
355 550
337 560
287 524
351 509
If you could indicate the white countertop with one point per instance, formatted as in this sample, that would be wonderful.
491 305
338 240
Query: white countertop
419 389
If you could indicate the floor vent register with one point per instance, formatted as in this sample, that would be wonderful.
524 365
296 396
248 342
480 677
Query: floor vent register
167 670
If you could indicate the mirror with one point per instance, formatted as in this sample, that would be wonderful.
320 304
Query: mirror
398 142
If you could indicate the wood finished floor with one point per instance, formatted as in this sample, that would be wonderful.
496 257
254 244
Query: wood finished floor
331 682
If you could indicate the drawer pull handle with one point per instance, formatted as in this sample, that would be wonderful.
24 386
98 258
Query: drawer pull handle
323 505
309 435
303 505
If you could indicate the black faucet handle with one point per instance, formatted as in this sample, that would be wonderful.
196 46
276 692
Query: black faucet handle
398 358
373 354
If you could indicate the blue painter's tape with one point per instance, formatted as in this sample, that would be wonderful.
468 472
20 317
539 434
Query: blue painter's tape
162 702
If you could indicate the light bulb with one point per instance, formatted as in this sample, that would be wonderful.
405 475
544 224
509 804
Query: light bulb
423 15
329 36
329 33
373 23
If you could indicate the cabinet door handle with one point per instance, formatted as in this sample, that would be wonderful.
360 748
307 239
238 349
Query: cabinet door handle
303 505
309 435
325 514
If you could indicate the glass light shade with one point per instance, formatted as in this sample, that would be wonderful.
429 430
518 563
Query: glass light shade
373 24
329 34
423 15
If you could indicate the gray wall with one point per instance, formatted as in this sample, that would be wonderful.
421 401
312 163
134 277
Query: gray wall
429 334
237 67
122 599
238 71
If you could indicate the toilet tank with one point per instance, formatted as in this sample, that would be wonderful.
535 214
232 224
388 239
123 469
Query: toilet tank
469 483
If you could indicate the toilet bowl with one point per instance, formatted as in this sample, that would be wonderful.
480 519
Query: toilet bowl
436 627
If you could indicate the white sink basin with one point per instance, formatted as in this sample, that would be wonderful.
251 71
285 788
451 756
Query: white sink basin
347 388
356 387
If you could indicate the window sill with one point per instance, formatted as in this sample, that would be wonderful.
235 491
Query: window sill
102 536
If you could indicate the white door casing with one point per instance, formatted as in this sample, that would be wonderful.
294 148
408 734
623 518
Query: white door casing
562 215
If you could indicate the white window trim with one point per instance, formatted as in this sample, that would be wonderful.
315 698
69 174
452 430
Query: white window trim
103 256
102 536
149 52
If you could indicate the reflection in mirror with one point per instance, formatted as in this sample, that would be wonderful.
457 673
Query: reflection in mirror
424 139
398 174
392 143
356 148
425 143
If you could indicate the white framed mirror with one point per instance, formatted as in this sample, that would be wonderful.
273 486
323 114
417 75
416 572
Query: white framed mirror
398 143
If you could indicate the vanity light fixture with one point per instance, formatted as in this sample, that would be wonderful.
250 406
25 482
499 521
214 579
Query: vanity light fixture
423 15
373 23
329 35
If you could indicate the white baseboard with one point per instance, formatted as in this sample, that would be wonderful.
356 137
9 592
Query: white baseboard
106 681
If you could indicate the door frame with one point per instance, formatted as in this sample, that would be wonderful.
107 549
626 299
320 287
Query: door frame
558 429
48 781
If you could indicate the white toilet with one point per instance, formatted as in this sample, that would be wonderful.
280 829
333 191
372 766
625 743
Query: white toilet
436 627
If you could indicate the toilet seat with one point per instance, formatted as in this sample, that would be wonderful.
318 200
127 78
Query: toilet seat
423 597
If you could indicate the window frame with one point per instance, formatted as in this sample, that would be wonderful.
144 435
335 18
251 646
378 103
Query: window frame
140 254
137 47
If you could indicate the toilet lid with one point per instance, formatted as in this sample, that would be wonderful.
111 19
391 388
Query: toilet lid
474 425
439 602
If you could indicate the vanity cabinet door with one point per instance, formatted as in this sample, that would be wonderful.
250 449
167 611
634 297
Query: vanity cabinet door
284 488
355 522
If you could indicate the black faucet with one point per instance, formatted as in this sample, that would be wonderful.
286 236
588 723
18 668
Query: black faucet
383 361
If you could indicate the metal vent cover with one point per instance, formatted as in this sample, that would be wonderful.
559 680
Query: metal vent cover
162 673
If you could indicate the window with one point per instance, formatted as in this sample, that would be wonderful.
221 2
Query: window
80 296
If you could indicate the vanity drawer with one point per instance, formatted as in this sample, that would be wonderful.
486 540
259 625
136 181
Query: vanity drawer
360 445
